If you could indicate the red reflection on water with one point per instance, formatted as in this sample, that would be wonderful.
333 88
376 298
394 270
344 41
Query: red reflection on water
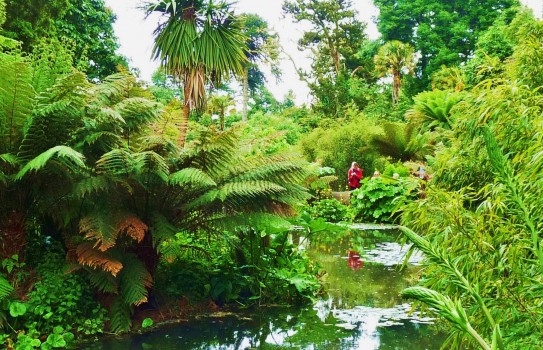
354 260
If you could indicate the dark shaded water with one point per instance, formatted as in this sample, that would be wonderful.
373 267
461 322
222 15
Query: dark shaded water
363 309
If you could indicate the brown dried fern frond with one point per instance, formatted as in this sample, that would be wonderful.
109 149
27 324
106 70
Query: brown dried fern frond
87 255
133 227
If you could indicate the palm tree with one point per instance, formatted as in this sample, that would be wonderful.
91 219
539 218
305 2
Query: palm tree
200 41
219 104
395 58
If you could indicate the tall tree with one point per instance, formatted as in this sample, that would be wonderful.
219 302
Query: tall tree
334 38
86 25
199 41
444 32
263 46
395 58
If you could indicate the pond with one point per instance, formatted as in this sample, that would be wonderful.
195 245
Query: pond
361 308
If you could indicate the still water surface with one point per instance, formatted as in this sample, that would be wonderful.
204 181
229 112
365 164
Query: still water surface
362 309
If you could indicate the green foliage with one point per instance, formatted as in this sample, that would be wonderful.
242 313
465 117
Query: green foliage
484 207
433 109
330 210
443 33
379 199
146 323
62 299
79 23
340 146
398 142
275 134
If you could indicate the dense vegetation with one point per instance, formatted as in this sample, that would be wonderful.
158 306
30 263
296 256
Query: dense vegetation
117 197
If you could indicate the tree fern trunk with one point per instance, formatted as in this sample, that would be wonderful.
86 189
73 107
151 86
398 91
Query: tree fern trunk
183 128
245 85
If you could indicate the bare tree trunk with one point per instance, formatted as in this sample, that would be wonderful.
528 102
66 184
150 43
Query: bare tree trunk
245 85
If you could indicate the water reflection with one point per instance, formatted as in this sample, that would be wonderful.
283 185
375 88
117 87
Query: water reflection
362 309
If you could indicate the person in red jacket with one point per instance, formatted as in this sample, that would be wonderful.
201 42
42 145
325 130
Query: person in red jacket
354 175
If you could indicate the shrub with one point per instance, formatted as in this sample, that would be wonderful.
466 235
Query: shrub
379 199
330 210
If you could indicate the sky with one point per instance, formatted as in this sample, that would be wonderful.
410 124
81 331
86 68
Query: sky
136 37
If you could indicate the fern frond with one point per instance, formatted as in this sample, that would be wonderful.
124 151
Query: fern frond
103 281
273 169
17 98
5 288
133 227
100 230
94 184
137 112
115 162
87 255
168 124
195 178
65 156
247 191
161 229
172 251
135 281
114 87
205 199
120 316
151 163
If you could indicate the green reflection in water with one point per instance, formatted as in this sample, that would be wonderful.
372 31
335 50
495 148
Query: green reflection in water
374 285
360 299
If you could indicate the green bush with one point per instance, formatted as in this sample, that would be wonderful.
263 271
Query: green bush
337 147
379 198
331 210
